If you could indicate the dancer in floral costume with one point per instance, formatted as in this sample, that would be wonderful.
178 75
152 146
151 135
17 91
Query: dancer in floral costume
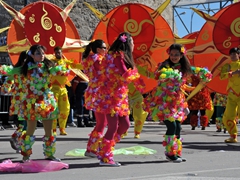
11 86
37 101
167 101
112 96
93 65
201 101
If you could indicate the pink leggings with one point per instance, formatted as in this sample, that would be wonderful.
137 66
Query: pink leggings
101 122
116 124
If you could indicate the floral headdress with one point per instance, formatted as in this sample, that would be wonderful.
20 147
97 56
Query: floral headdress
183 50
123 38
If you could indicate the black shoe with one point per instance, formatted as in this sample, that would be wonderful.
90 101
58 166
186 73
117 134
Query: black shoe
39 123
174 159
193 128
203 128
225 130
80 123
219 130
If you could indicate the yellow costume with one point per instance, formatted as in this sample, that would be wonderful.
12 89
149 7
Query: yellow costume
233 100
60 92
135 99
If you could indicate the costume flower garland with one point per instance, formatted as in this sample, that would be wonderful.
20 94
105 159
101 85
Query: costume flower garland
165 98
49 146
204 74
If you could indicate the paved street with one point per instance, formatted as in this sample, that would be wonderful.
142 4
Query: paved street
208 157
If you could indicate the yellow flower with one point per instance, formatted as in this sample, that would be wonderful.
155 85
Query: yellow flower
197 69
169 99
43 106
171 119
162 76
163 69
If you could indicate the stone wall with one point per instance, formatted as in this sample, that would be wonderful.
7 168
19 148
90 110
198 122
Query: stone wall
84 20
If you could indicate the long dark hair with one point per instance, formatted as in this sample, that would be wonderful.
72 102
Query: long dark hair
32 50
119 45
92 46
21 59
184 62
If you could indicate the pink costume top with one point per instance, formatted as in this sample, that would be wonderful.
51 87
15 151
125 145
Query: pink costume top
109 84
93 67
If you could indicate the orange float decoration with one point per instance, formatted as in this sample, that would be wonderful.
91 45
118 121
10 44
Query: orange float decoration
226 32
189 55
42 23
151 34
207 55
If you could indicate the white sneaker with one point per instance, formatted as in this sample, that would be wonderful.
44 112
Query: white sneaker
90 154
178 160
110 163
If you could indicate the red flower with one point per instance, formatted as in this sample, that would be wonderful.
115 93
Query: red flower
39 65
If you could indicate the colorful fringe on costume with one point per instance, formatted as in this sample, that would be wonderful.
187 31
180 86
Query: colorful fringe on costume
17 136
171 145
194 120
204 121
179 145
26 145
94 141
105 153
49 145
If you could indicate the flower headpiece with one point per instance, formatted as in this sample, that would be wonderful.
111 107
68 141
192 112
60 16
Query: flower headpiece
183 50
123 38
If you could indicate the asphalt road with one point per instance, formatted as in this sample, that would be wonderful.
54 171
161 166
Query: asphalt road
208 157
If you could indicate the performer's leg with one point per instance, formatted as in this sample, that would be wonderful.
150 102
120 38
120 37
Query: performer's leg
229 118
64 108
170 142
139 116
194 119
105 154
96 135
28 140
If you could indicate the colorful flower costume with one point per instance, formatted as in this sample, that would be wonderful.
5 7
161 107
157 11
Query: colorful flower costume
37 101
233 100
59 81
220 101
11 85
167 102
94 68
201 101
111 97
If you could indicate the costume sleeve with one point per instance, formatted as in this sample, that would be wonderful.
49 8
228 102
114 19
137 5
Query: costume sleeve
9 70
188 88
144 71
203 73
225 72
74 64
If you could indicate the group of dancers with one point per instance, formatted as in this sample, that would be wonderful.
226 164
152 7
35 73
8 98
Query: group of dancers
114 88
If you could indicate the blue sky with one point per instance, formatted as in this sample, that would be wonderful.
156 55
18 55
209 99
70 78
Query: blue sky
193 21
